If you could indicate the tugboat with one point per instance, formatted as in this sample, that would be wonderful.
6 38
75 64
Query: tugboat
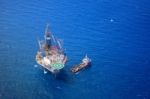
51 55
86 62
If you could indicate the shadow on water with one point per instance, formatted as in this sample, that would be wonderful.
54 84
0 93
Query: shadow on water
62 76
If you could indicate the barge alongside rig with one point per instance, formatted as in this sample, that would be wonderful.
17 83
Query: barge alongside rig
86 62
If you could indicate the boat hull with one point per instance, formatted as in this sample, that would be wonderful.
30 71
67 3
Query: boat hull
80 67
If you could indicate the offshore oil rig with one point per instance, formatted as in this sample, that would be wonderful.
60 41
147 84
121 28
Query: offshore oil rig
51 54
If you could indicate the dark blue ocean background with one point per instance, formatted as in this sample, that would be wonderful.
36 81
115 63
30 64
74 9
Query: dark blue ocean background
114 33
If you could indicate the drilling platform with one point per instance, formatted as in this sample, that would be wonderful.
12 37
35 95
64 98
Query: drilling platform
51 55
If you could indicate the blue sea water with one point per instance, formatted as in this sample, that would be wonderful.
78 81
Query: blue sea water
114 33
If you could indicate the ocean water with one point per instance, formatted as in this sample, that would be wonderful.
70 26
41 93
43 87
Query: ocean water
114 33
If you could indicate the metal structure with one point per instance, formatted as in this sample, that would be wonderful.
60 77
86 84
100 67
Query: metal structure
51 54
